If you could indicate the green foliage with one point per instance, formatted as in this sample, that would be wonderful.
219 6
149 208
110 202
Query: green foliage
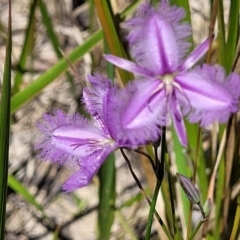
5 125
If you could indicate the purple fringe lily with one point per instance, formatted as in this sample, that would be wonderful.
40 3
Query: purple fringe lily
166 83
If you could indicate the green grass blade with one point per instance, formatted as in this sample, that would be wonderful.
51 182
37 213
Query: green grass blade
135 199
130 9
15 185
53 38
233 33
109 29
49 27
184 4
107 179
26 48
3 32
107 196
183 168
152 209
236 229
220 184
221 33
5 126
59 68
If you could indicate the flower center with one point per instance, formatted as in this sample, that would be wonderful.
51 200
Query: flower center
94 144
168 83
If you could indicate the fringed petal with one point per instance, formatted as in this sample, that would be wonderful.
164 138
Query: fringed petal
157 37
88 168
135 113
67 138
95 98
209 95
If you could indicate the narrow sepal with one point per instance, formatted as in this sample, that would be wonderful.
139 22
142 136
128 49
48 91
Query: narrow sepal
128 65
195 56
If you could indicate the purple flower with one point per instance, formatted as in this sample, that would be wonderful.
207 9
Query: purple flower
132 120
77 141
168 85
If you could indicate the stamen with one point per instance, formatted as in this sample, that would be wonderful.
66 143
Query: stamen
174 108
93 144
168 81
155 92
84 142
178 87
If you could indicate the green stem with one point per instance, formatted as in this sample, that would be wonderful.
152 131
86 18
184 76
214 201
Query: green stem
170 184
196 157
164 227
195 230
152 209
159 174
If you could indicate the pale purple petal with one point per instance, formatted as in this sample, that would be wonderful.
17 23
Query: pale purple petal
208 95
136 113
95 98
66 138
195 56
88 168
128 65
178 121
157 37
159 45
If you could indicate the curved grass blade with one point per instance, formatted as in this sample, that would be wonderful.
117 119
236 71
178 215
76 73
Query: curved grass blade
128 10
109 29
53 38
49 27
15 185
233 34
221 33
26 49
55 71
5 125
107 186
